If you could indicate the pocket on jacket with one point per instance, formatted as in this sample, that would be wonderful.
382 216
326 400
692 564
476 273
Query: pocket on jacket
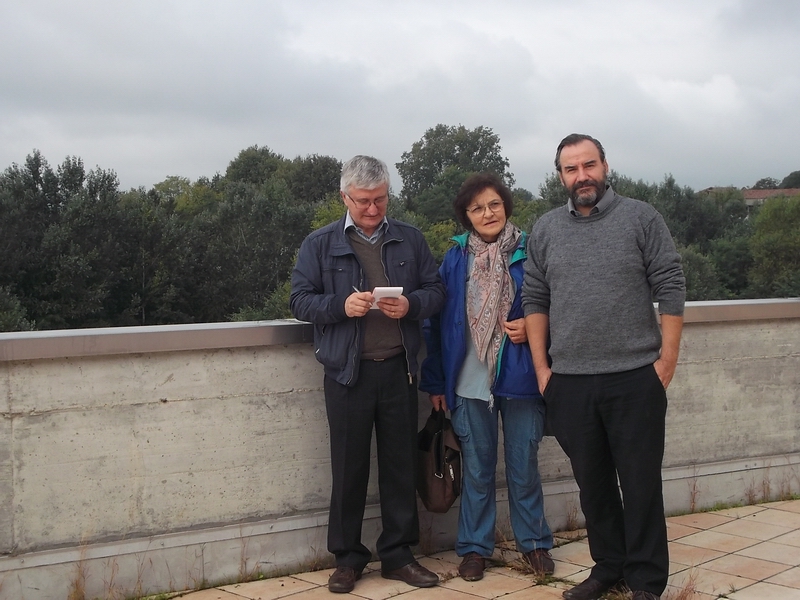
403 271
328 351
337 276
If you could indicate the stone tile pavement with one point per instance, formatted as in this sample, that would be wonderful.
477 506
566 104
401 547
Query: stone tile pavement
746 553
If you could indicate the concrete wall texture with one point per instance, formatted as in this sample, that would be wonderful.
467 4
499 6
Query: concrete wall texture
178 465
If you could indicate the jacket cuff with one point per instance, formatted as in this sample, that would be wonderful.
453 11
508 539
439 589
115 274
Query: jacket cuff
339 308
413 307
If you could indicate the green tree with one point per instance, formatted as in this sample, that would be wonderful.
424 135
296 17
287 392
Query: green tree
639 189
254 165
439 237
172 189
203 195
443 146
776 249
163 266
30 201
791 181
83 251
313 178
329 211
276 306
766 183
436 202
527 209
251 242
12 314
551 192
733 261
702 282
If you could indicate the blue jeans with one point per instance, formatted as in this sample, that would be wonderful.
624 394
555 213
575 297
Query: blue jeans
476 428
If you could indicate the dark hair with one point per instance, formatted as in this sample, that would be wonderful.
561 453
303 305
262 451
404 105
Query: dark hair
474 185
577 138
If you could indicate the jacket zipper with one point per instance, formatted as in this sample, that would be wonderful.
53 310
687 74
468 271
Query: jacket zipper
402 337
358 333
505 335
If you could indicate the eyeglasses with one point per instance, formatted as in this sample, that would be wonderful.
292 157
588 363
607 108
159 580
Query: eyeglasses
365 204
477 211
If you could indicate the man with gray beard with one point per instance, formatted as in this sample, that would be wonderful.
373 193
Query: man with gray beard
594 269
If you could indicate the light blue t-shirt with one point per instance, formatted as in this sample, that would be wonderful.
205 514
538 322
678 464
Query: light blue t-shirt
473 380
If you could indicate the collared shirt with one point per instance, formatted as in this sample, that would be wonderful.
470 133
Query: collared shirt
379 230
600 206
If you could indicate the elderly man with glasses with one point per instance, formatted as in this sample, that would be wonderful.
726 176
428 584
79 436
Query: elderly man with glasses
370 361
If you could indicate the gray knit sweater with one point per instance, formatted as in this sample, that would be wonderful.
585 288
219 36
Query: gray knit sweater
597 277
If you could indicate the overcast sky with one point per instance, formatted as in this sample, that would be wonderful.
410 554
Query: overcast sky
708 91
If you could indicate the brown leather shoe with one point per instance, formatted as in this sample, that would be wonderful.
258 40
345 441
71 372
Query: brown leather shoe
471 567
541 561
591 589
343 580
413 574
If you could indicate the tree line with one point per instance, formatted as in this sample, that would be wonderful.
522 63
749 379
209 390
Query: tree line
80 252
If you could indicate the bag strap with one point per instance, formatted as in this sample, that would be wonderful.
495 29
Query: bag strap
439 450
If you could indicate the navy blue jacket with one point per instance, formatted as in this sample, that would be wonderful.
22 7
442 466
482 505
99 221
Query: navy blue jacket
446 334
325 274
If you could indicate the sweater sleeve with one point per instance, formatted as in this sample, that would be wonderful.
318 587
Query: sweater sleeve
663 268
535 289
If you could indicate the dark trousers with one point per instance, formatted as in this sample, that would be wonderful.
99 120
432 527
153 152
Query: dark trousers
382 398
612 426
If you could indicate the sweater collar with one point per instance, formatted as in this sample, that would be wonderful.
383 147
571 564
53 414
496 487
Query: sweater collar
602 205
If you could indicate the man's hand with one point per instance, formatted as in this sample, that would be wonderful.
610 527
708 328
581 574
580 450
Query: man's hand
394 308
671 327
516 331
543 378
438 401
358 304
665 371
538 327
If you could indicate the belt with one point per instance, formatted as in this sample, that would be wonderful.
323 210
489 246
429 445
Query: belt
382 359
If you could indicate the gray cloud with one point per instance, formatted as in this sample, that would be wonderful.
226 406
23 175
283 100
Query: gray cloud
705 92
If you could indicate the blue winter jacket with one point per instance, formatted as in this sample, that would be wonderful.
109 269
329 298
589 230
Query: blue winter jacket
325 274
446 334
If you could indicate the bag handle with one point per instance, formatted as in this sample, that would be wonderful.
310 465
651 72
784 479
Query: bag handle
439 450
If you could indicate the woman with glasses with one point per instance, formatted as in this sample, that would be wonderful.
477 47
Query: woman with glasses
479 366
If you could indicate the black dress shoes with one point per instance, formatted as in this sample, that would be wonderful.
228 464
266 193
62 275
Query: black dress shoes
591 589
413 574
343 580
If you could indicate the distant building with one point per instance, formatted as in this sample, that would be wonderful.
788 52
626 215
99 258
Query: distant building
753 197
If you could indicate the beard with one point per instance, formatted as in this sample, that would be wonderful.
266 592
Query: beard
587 197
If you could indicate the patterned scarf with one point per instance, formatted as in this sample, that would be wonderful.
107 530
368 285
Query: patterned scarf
489 293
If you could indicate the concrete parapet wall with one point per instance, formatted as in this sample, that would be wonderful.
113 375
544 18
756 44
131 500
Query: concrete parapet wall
142 460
